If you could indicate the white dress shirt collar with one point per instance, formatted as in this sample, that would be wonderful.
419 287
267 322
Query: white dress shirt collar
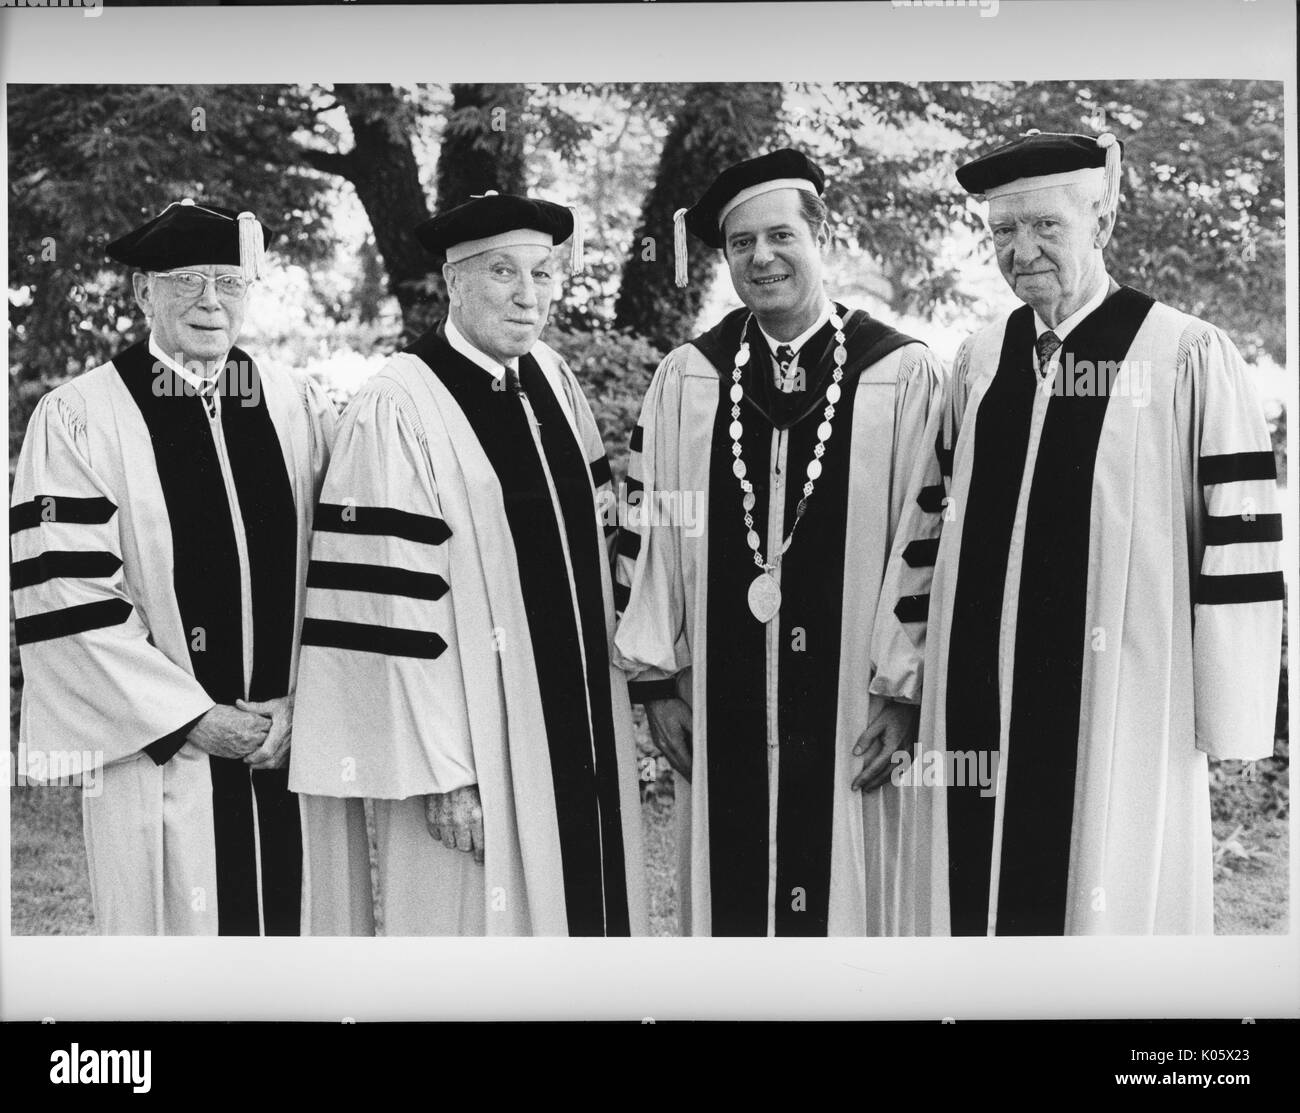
807 334
195 380
1072 321
457 340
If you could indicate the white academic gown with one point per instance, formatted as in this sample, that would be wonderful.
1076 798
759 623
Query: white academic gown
87 489
422 679
1182 624
665 634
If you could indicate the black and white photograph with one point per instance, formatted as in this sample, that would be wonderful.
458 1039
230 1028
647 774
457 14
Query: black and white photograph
749 535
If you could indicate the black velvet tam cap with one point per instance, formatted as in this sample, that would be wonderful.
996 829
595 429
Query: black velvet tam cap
778 169
494 220
186 234
1039 155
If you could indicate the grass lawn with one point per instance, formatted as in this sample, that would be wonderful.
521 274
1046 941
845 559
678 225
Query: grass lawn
51 896
660 832
1250 893
49 890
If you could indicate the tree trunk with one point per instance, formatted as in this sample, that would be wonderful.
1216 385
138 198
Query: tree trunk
482 149
482 143
716 126
382 168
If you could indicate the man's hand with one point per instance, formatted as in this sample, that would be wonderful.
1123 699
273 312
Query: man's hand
892 729
670 730
226 731
278 713
455 819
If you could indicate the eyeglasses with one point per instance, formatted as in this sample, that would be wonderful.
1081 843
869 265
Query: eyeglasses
192 284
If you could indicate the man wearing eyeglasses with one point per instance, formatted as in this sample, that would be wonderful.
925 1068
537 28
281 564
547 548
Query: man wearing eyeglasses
159 527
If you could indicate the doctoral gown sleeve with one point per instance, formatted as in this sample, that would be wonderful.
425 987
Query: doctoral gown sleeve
322 424
928 416
593 445
651 643
1236 534
381 703
92 679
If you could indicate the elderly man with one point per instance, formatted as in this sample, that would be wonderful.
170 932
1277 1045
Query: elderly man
159 532
1106 604
797 425
456 662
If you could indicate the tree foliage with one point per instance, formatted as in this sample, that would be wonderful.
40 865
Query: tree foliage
1201 216
89 162
713 126
1201 219
1201 222
382 167
482 143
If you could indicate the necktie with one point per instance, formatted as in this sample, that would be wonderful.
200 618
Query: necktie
512 381
207 391
784 359
1046 346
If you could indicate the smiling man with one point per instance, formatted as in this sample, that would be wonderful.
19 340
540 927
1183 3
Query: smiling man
457 644
1106 606
801 423
159 530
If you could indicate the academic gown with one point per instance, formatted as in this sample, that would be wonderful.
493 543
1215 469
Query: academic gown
159 559
773 841
460 610
1105 612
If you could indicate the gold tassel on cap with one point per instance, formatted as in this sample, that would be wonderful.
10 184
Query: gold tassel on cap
680 272
252 247
1110 190
576 244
